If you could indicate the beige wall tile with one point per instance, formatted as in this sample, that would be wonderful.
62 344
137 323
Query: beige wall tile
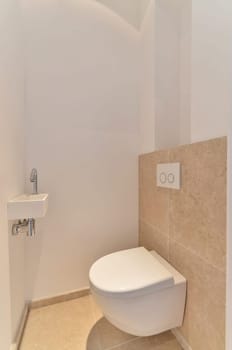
215 307
152 239
215 326
154 208
188 222
198 211
204 324
193 222
193 268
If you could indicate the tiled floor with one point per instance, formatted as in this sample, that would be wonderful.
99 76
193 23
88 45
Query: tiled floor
79 325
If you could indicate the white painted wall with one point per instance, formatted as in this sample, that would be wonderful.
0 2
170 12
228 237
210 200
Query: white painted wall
192 59
143 8
82 123
185 71
164 104
12 169
147 79
211 39
167 73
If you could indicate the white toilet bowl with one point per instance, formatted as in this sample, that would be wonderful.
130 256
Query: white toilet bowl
138 291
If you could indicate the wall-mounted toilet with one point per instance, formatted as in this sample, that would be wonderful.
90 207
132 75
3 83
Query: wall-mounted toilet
138 291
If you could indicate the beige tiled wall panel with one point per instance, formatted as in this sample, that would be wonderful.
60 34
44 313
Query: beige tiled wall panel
152 238
188 228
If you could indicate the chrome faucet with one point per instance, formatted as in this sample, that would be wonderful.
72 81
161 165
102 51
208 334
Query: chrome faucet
34 180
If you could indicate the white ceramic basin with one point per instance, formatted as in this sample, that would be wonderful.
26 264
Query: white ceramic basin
27 206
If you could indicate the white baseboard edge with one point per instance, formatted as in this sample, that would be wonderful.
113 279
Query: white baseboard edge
18 339
181 340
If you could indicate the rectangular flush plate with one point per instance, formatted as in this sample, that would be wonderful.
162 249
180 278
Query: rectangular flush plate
169 175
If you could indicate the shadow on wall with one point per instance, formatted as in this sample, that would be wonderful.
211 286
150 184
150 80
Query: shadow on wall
132 11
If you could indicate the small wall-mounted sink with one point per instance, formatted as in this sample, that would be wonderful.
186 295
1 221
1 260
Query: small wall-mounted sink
27 206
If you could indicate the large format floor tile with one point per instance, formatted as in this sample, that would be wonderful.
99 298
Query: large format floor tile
79 325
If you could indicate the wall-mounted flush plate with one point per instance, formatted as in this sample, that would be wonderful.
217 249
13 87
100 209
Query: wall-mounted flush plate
169 175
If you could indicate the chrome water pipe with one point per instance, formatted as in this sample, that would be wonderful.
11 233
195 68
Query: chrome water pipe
24 226
34 180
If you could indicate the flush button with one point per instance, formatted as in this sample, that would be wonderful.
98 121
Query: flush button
163 178
168 175
171 178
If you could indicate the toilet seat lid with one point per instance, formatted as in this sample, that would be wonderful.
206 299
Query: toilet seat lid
128 271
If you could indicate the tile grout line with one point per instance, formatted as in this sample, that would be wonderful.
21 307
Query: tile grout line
184 247
198 256
154 227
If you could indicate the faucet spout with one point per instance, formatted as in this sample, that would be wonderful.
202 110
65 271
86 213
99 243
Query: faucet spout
34 180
